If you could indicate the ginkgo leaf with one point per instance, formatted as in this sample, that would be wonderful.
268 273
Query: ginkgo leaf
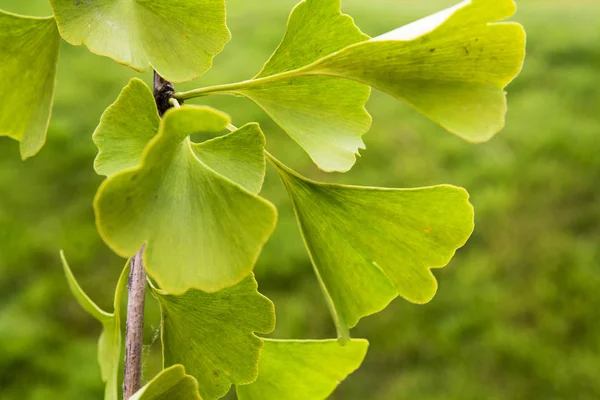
238 156
212 334
326 116
178 38
369 245
452 66
202 230
122 134
316 28
170 384
27 104
303 370
110 343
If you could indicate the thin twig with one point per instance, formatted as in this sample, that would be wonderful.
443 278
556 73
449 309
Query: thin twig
134 336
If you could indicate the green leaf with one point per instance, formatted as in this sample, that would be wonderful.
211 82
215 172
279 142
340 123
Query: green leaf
202 230
369 245
178 38
170 384
238 156
212 334
326 116
316 28
110 343
29 48
452 66
303 370
123 134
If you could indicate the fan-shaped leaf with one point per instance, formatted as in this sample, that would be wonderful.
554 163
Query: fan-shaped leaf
452 66
212 334
29 48
316 28
202 230
125 129
369 245
110 343
170 384
303 370
178 38
238 156
324 115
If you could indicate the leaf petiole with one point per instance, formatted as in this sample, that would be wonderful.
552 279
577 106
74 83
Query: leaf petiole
174 103
234 87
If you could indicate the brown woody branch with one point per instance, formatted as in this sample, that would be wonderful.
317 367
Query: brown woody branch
134 335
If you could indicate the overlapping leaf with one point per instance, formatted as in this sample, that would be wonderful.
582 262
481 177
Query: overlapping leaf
238 156
110 343
125 129
29 48
303 370
170 384
369 245
178 38
212 334
324 115
202 230
452 66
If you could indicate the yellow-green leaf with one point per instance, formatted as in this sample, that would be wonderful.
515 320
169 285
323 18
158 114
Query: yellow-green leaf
110 343
212 334
452 66
303 370
203 230
125 129
369 245
170 384
29 48
316 28
238 156
178 38
326 116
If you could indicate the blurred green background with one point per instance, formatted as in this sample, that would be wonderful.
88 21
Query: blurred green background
517 315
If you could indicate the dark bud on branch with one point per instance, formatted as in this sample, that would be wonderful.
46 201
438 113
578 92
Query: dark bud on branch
163 92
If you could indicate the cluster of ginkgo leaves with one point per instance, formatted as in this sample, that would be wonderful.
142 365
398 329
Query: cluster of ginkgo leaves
196 205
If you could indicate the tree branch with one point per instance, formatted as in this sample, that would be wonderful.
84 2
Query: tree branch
134 335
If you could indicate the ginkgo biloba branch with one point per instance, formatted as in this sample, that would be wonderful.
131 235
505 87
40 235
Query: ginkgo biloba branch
134 326
134 333
196 206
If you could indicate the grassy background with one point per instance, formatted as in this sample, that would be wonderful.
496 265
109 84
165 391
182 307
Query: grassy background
518 311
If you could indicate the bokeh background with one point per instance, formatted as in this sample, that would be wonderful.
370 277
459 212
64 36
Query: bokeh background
517 315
